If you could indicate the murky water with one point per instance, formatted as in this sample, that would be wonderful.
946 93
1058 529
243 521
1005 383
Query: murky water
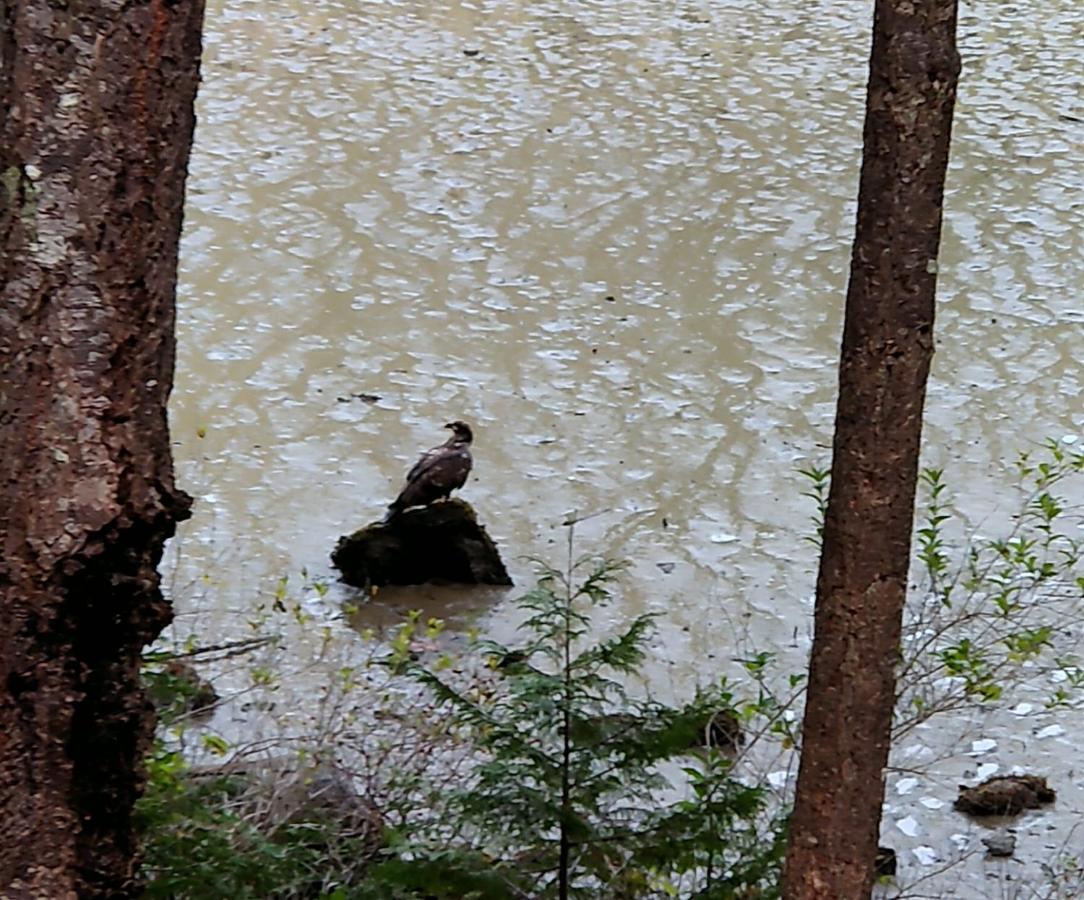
614 237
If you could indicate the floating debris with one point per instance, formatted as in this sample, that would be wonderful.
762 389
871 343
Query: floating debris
363 397
1004 795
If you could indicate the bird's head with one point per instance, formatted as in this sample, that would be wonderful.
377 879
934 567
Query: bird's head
460 432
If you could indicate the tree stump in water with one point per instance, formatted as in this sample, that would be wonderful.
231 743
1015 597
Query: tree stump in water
1004 795
441 542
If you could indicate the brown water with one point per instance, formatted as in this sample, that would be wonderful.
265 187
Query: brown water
614 237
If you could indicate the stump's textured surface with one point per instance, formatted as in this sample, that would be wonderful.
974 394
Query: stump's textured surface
442 542
1004 795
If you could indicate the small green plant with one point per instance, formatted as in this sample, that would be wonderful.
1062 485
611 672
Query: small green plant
978 628
931 541
564 800
819 482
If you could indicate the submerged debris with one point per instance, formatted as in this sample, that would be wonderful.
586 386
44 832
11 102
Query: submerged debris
1004 795
442 543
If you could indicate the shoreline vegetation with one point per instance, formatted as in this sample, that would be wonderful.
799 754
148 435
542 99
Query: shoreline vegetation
545 767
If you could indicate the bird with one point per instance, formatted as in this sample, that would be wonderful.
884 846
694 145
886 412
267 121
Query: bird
440 471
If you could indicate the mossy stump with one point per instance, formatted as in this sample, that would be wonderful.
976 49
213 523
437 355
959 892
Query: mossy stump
438 543
1004 795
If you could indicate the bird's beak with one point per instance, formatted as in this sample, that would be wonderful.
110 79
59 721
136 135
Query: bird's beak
450 425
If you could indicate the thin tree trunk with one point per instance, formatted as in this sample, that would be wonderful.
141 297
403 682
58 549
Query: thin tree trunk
887 348
96 118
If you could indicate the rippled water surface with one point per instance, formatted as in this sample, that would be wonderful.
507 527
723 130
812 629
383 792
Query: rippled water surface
614 237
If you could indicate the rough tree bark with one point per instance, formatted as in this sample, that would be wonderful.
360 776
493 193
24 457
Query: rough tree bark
96 119
887 348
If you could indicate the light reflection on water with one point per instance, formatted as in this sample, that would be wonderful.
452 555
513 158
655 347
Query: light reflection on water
614 237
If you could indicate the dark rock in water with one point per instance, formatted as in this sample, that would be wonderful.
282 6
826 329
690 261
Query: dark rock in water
1000 843
884 864
442 542
1004 795
721 731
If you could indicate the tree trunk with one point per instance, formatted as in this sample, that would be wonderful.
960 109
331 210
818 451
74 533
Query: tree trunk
887 348
96 118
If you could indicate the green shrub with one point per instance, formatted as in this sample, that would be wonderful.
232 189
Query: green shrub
575 787
566 797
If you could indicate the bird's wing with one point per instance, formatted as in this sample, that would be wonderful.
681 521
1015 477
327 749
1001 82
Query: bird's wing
443 467
426 461
436 475
450 469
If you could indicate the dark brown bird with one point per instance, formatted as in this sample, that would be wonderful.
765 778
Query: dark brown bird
439 472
